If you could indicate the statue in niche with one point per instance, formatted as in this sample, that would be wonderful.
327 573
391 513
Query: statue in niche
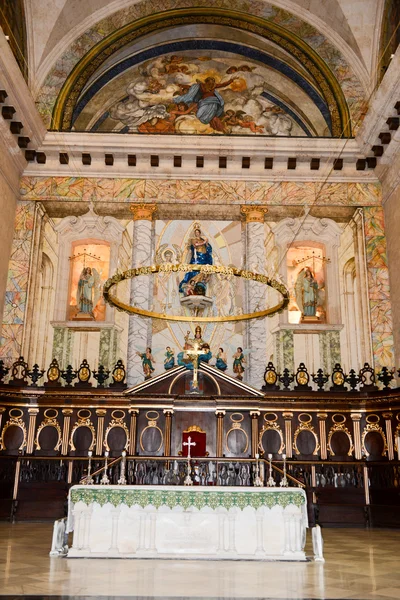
169 360
88 292
306 292
147 362
222 361
195 283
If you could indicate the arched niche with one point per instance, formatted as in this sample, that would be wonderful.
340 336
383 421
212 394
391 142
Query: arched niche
72 231
322 235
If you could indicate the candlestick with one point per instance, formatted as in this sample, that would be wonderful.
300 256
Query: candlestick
122 478
104 480
271 481
188 480
258 482
284 481
89 478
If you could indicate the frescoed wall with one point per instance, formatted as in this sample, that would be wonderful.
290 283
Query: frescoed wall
365 229
17 283
378 286
192 191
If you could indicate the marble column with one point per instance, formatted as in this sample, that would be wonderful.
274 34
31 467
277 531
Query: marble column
139 333
256 294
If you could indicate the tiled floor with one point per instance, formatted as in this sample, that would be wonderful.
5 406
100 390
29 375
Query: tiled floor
359 565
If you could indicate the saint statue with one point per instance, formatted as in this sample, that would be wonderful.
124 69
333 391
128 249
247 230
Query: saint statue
200 254
192 343
169 360
147 362
306 292
88 292
238 360
222 361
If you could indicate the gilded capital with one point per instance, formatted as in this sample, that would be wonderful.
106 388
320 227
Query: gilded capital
254 213
143 212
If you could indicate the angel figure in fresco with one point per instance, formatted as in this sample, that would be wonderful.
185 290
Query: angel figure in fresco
89 291
306 292
169 360
200 254
238 361
147 362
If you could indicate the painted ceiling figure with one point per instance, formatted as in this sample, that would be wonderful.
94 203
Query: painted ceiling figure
200 254
210 104
192 95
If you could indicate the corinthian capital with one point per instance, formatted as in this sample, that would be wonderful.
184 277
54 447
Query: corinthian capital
143 212
254 213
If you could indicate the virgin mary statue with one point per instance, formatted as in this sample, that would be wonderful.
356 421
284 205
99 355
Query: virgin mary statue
200 254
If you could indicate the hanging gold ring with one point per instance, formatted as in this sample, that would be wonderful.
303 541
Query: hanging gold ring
112 300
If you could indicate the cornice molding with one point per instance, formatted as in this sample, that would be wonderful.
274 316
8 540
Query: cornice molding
19 94
257 148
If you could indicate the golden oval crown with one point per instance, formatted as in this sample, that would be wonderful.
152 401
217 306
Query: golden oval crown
113 281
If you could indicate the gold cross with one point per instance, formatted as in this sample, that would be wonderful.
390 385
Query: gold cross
193 354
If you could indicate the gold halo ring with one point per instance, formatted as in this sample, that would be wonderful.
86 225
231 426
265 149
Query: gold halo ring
112 300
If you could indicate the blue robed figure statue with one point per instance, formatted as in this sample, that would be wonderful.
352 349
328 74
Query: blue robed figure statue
200 254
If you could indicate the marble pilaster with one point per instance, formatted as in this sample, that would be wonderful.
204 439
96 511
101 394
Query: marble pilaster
139 332
256 294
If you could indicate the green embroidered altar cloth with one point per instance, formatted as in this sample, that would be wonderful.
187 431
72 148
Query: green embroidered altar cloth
198 497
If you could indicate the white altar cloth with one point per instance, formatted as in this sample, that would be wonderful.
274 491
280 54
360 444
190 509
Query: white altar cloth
187 522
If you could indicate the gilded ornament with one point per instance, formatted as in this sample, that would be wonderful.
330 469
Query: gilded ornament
112 300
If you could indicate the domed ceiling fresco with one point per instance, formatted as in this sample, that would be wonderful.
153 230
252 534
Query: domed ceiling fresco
209 92
206 68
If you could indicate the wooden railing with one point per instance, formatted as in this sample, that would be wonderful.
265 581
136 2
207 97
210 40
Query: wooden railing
340 487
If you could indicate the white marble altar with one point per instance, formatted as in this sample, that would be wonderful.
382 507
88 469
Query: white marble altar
197 523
